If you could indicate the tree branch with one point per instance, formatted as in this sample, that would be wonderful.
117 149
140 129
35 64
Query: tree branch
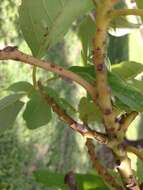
127 120
34 80
103 19
14 54
82 129
125 12
135 143
102 87
102 171
135 151
125 171
70 181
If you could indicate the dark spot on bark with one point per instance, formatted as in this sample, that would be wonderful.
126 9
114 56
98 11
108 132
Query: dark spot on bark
118 120
109 11
100 67
111 129
118 162
16 59
98 49
10 48
107 111
97 95
99 30
104 42
60 69
46 34
52 65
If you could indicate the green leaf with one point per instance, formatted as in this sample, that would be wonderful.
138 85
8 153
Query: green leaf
84 181
140 4
138 84
63 103
50 179
9 109
127 69
86 33
126 93
21 86
90 181
120 106
45 22
37 112
9 100
67 106
88 111
87 72
122 90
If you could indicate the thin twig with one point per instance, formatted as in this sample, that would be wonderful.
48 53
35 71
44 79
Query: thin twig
82 129
135 151
127 120
71 181
127 174
102 171
34 77
125 12
14 54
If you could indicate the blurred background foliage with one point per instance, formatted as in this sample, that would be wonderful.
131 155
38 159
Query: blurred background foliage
54 146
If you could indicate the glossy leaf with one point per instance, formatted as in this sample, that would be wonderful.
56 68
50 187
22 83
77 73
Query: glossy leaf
9 109
21 86
122 90
37 112
88 111
86 33
84 181
126 93
127 69
45 22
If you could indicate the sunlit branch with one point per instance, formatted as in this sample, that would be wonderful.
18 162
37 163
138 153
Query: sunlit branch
14 54
135 151
103 18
